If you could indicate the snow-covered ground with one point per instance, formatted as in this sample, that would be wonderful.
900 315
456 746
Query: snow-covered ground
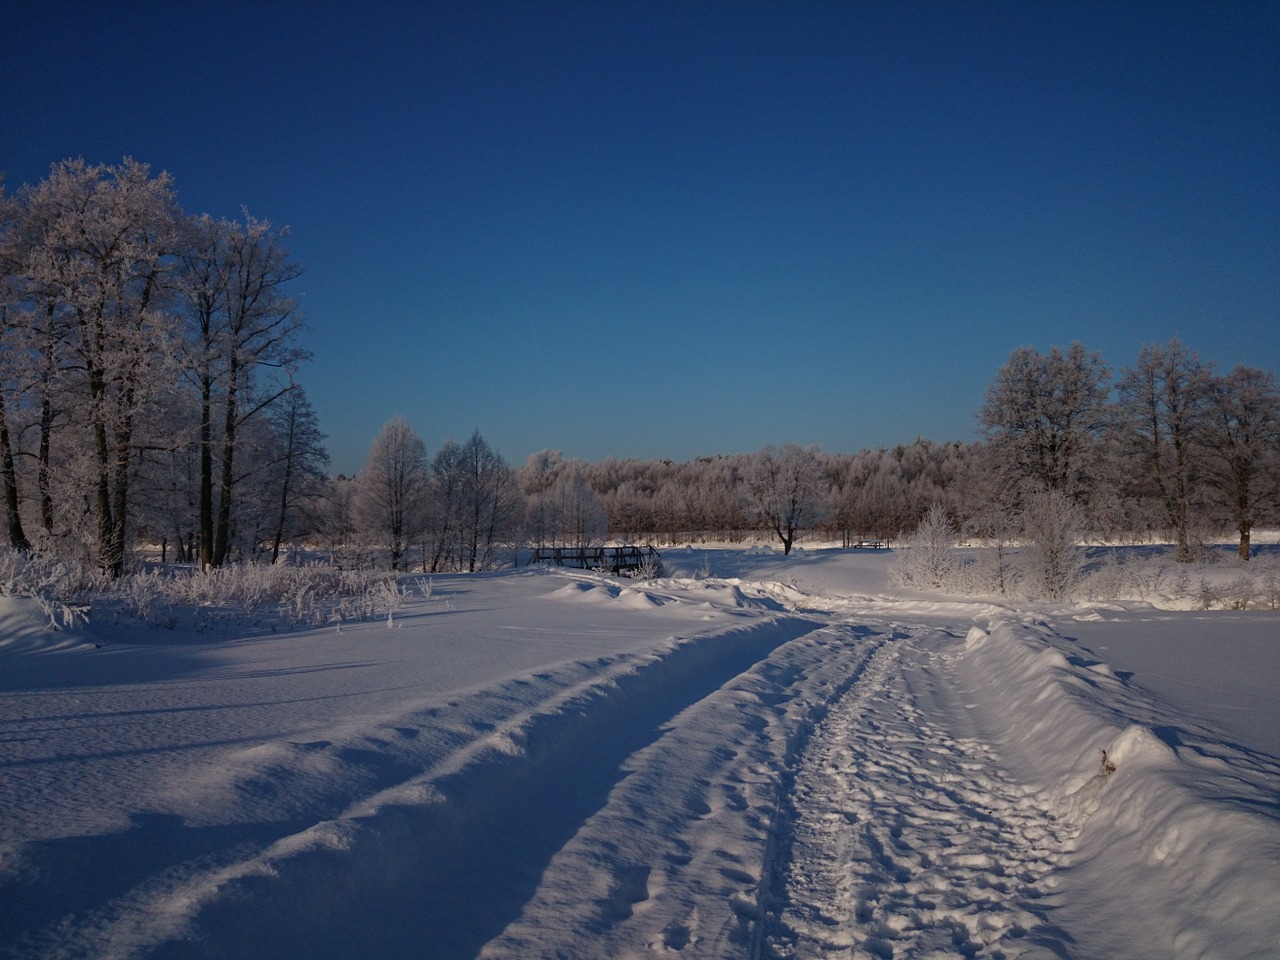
755 756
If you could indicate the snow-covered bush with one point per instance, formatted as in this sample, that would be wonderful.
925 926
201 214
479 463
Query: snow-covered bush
292 595
1269 583
650 568
927 560
1240 592
62 588
1109 579
1052 562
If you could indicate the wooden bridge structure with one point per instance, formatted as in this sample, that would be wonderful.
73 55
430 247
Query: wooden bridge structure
614 559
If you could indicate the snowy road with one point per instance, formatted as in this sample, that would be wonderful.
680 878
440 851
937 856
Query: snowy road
788 764
930 846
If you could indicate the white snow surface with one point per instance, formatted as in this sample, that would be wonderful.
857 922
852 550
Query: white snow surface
757 756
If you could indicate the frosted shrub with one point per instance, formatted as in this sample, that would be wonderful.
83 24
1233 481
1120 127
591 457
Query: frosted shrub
61 588
1207 594
1052 562
389 597
1240 592
1109 580
33 575
650 568
1269 584
927 560
293 595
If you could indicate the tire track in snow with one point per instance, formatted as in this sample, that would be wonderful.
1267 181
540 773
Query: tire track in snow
441 865
907 839
678 859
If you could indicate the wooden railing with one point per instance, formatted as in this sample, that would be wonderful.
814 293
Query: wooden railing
613 559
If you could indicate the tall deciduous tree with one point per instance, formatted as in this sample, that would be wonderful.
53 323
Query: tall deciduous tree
490 502
105 246
1164 401
11 362
786 486
297 468
1045 414
393 487
1241 436
242 323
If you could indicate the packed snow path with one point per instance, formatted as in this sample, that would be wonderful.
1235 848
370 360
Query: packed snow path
564 766
909 839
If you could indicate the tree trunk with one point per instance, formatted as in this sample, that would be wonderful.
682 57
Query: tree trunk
44 474
205 519
9 474
222 533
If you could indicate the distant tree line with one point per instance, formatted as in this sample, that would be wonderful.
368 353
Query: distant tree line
148 396
1170 451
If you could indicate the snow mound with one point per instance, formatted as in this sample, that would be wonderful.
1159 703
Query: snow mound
1134 795
28 625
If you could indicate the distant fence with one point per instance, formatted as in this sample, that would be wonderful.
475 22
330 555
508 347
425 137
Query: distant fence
613 559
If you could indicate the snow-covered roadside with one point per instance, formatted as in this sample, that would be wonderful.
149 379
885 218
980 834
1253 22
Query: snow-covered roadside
1166 814
783 758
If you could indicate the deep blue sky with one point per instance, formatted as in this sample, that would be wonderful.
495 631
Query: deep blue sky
679 229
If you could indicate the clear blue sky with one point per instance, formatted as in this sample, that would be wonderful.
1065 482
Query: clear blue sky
677 229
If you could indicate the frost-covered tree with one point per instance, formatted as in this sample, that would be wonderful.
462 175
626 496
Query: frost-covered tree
393 488
241 353
1164 402
578 517
12 371
1241 439
109 296
786 487
338 524
98 260
1052 561
928 561
1045 415
444 507
491 504
536 478
561 506
475 505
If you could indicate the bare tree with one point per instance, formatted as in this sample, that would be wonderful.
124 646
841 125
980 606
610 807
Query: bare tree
393 487
1045 415
297 473
786 486
490 502
242 322
444 506
1241 436
1164 400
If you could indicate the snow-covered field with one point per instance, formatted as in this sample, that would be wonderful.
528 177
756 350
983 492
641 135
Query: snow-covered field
755 756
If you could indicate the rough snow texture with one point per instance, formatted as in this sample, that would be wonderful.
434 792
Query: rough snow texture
780 759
